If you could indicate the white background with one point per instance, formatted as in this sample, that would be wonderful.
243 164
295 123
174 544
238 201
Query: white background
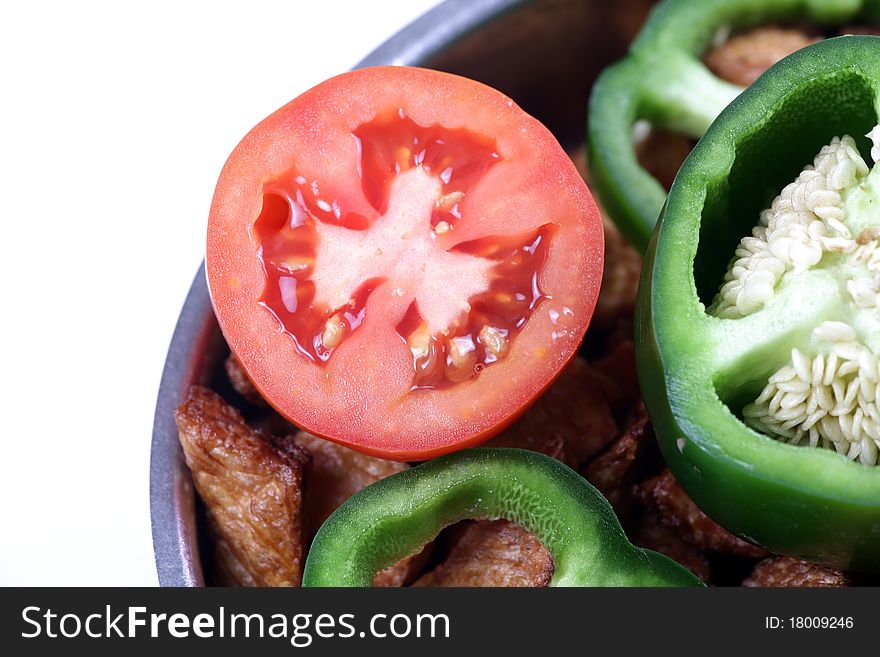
116 119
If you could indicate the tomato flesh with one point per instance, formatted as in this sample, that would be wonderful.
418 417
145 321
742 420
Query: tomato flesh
484 336
287 233
393 143
402 260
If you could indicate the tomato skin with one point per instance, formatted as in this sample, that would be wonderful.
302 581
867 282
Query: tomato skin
348 401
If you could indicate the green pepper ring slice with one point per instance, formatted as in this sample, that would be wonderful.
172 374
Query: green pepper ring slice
396 516
663 80
694 368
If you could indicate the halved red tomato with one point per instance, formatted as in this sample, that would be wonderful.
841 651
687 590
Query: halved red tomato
402 260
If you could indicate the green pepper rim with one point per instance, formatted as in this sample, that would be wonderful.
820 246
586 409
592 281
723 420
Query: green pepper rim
681 94
398 515
807 502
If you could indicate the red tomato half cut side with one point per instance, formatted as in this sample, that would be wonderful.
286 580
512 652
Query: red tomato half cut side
402 260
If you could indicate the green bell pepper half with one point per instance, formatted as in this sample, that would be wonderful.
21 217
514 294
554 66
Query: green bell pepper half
697 371
664 81
397 516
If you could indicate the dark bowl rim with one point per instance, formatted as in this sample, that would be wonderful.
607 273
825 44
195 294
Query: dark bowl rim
173 528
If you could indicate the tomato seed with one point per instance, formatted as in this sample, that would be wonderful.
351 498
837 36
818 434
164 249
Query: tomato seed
419 342
448 201
461 359
334 330
494 341
296 262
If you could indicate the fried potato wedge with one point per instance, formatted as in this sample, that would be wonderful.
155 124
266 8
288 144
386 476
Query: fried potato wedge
492 553
742 58
617 469
650 532
251 486
617 373
620 280
571 421
663 494
336 474
790 572
241 383
662 153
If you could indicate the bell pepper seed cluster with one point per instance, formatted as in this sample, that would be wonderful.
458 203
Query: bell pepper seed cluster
829 399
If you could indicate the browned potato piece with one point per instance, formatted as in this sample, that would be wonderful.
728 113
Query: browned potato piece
252 488
620 466
620 381
742 58
620 279
571 421
405 571
336 474
241 383
662 153
622 266
865 30
226 569
650 532
663 494
493 553
789 572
